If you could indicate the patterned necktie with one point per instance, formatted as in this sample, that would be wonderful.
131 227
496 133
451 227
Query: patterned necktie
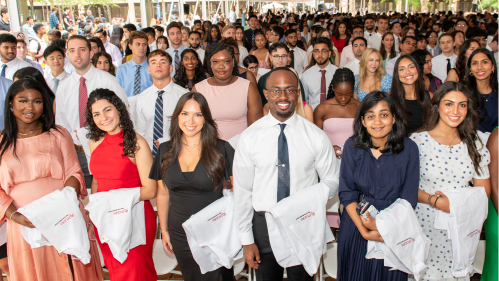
82 101
158 122
323 86
136 84
283 166
56 84
448 66
177 61
3 70
292 65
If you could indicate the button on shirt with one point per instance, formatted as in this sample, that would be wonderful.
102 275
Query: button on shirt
301 60
67 106
145 109
373 39
255 170
13 66
114 52
126 77
4 87
311 80
354 66
440 68
171 51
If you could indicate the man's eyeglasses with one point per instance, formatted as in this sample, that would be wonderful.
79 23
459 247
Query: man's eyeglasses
323 51
289 93
253 68
277 57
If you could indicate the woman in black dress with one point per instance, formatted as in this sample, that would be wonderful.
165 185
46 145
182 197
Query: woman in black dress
409 94
190 170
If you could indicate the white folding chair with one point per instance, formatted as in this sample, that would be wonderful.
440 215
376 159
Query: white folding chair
164 263
329 262
479 257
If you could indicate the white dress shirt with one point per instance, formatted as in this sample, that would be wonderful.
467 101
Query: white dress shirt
200 54
301 59
440 65
354 66
243 53
255 166
145 108
311 81
33 47
153 46
50 79
347 55
373 39
68 67
396 42
13 66
390 65
115 53
67 106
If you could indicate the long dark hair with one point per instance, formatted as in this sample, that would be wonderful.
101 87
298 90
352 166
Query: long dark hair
94 133
33 74
212 160
462 60
472 86
398 90
219 35
95 59
266 41
382 49
342 75
9 134
336 33
396 136
246 44
116 37
181 76
420 57
215 48
467 129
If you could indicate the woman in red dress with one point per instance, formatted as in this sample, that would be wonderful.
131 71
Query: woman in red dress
121 158
341 37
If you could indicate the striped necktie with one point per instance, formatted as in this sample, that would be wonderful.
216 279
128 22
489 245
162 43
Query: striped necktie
136 85
177 61
158 122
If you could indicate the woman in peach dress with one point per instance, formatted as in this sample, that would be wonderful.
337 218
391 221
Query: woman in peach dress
36 158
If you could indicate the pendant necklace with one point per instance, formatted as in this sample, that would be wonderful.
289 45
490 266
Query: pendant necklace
450 146
189 145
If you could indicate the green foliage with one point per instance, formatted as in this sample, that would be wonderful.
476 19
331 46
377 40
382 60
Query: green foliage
490 3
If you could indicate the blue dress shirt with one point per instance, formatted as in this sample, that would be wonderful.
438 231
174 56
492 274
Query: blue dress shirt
171 51
29 29
126 77
4 87
34 64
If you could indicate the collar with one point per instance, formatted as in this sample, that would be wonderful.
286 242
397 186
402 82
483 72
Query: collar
60 76
327 68
143 64
88 75
271 121
10 63
167 89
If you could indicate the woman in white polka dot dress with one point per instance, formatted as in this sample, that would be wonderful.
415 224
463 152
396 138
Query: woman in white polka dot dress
451 155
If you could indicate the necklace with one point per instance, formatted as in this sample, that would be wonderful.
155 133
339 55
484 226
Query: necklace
214 81
190 145
450 146
488 96
34 130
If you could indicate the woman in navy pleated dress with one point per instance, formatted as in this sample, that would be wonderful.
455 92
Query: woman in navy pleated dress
380 165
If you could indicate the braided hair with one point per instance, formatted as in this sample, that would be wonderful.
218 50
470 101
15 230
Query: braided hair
342 75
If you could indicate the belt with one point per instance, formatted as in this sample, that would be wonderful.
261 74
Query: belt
79 147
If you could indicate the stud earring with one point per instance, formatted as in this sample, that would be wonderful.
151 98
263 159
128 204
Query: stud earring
471 73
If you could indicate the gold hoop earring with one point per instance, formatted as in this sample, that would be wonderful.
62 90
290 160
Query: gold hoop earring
471 73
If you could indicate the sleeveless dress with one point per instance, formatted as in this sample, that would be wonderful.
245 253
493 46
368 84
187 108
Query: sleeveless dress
263 63
190 192
228 104
114 171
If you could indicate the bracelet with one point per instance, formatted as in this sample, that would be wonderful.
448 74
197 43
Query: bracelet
435 205
12 214
429 198
164 230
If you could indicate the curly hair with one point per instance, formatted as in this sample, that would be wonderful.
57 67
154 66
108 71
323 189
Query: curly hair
212 50
181 75
95 59
462 59
129 144
342 75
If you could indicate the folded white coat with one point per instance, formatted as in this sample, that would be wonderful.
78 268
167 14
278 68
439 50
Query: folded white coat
118 216
213 236
468 210
59 222
406 248
298 229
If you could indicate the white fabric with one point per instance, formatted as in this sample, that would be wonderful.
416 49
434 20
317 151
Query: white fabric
57 216
118 215
255 172
406 247
13 66
468 210
67 106
243 53
201 54
81 134
115 53
3 233
153 46
212 235
298 229
145 108
33 47
373 39
354 66
311 81
347 55
50 78
301 60
440 65
390 65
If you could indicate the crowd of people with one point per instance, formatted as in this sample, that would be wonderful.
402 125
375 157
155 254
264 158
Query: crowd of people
373 107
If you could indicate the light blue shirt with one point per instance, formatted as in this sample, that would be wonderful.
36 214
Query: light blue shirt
34 64
4 87
171 51
126 77
29 29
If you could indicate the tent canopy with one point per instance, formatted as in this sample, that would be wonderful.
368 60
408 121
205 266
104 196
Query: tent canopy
273 5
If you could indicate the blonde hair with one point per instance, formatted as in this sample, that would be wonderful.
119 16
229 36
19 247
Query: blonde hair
227 27
378 74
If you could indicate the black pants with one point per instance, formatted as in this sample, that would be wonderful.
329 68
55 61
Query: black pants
84 168
269 269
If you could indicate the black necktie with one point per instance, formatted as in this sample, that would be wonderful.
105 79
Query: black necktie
448 66
292 65
283 166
